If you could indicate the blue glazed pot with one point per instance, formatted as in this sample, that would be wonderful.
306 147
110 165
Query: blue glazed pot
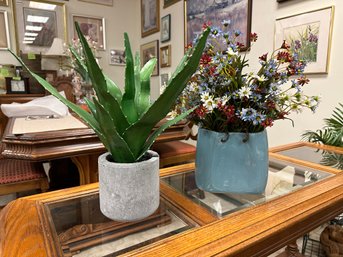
224 163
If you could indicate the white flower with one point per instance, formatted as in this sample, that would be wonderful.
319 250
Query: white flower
244 91
210 104
171 115
225 99
193 86
205 97
231 52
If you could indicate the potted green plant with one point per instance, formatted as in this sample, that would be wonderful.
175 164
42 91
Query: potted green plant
124 122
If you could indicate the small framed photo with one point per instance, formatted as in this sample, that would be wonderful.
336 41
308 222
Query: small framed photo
3 2
117 57
312 31
148 51
92 27
4 36
50 76
164 82
165 56
150 17
17 85
165 28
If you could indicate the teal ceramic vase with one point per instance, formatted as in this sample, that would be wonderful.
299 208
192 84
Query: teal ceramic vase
231 163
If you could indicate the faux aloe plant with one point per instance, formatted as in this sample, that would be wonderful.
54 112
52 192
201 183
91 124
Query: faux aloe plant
125 121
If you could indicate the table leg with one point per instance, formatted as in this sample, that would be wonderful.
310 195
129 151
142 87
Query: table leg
88 168
291 250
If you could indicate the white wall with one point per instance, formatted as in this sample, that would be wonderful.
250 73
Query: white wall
125 16
122 17
264 14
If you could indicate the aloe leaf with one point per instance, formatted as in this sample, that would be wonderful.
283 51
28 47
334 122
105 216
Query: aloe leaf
137 133
137 68
159 131
87 117
128 101
100 85
117 146
145 74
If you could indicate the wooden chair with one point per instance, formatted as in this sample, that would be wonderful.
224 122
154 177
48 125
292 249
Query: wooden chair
20 175
176 152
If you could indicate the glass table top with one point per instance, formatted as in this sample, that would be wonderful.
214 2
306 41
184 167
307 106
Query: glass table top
80 229
315 155
283 178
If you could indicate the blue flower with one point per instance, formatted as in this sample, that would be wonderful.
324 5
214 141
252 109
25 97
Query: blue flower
248 114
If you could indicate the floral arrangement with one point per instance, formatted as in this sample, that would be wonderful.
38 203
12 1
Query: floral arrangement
226 99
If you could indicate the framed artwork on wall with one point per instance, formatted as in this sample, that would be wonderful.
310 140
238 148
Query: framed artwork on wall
312 31
199 12
37 24
150 17
117 57
165 28
148 51
5 35
92 27
167 3
3 2
164 81
102 2
165 56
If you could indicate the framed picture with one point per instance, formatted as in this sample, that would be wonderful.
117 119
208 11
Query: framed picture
3 2
167 3
50 75
92 27
310 30
5 36
102 2
117 57
165 56
148 51
37 24
199 12
165 28
150 17
164 81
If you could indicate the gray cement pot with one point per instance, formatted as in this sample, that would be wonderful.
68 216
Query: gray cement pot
129 191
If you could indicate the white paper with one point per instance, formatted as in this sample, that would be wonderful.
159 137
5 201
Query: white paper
47 105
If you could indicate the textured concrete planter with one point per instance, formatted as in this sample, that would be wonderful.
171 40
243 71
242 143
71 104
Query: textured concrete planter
129 191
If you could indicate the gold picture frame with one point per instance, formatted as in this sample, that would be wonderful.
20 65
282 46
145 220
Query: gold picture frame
3 2
148 51
312 31
150 17
5 36
165 56
54 26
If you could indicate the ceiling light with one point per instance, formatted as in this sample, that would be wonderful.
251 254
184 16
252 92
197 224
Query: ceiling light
31 34
33 28
29 38
43 6
27 42
39 19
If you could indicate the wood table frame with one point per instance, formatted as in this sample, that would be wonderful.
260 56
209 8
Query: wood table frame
256 231
81 145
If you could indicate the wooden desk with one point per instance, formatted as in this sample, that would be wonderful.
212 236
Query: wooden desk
227 225
81 145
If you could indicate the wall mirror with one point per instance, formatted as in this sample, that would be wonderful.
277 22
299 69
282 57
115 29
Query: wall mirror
37 24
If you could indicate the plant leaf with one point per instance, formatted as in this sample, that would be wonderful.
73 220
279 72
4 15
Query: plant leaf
137 133
128 101
157 132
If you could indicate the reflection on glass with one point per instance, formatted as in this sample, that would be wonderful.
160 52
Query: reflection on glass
319 156
80 229
283 178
